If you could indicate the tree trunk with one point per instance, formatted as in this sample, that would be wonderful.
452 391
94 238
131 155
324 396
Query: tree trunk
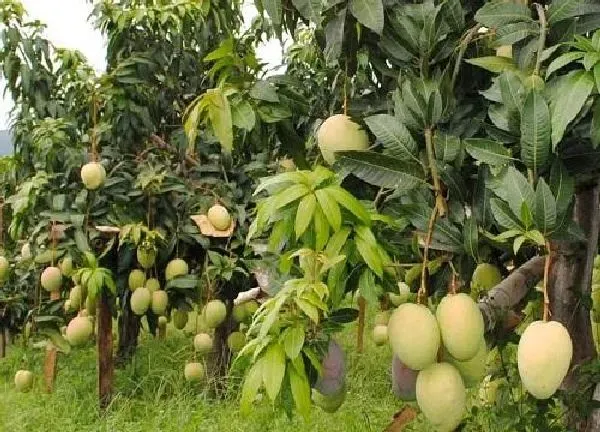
2 343
570 281
50 363
129 329
360 336
105 352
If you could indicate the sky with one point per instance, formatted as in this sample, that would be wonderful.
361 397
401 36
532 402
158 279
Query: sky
68 27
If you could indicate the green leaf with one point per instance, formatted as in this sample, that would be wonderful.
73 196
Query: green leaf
300 386
219 114
293 341
273 8
535 132
369 13
511 89
309 309
380 170
253 381
561 10
334 36
57 338
330 208
367 287
321 229
347 200
304 214
493 63
510 34
545 208
487 151
263 90
471 238
310 9
563 188
513 187
569 101
499 13
536 237
337 242
518 242
273 369
504 216
243 116
370 255
394 136
289 195
447 147
562 61
526 215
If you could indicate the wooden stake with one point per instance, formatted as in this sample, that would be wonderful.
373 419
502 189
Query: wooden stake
362 309
105 352
50 364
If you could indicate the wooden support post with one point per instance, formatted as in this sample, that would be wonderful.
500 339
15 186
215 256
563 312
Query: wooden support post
105 352
362 311
50 364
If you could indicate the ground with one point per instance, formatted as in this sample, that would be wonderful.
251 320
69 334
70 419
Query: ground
151 394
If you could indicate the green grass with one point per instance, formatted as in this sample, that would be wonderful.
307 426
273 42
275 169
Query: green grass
151 394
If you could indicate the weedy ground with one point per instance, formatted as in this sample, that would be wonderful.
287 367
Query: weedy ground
151 394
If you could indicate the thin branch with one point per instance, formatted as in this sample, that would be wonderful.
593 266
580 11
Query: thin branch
422 294
546 281
463 48
542 40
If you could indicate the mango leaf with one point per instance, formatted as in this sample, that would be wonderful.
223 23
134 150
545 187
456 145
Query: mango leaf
394 136
513 187
447 147
380 170
563 188
347 200
263 90
498 13
511 89
293 341
568 102
310 9
471 238
219 114
330 208
487 151
300 386
526 215
561 10
518 242
289 195
253 382
321 229
337 242
243 116
304 214
510 34
370 255
493 63
545 208
334 36
504 216
367 287
535 132
274 364
369 13
562 61
273 8
308 308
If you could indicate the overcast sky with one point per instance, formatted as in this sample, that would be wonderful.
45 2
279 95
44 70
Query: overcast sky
68 27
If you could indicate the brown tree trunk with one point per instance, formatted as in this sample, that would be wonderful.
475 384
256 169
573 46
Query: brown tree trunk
105 352
362 311
570 281
129 329
50 363
2 343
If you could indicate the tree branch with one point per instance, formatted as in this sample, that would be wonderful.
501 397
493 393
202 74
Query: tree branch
508 293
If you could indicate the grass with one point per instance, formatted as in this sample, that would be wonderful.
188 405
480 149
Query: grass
151 394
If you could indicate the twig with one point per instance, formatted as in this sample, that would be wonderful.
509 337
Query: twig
461 53
546 275
422 294
542 40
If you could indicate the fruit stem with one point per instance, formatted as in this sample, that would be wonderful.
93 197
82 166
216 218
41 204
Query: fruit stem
422 294
546 277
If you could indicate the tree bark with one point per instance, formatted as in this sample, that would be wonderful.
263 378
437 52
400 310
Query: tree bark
362 311
2 343
105 352
501 299
570 281
50 363
129 329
